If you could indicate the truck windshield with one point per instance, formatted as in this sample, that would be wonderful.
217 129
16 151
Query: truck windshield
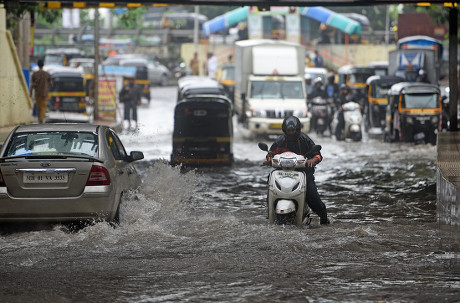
420 101
277 90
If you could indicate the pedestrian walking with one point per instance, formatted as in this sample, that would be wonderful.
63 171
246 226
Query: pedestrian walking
195 65
318 59
212 65
41 84
130 96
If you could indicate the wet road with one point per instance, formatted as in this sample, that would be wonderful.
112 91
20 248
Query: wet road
201 235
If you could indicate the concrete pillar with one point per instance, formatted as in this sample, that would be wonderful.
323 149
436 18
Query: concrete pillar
15 103
453 76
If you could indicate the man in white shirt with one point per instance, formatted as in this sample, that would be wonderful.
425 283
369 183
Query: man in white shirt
212 65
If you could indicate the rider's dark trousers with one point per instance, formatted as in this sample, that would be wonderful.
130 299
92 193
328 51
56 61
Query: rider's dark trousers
313 199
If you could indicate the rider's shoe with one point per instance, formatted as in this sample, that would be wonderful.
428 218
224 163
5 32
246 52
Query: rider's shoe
324 220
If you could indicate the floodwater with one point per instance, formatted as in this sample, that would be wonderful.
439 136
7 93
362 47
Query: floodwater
202 236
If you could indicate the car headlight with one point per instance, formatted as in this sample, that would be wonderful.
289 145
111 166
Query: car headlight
258 113
300 113
410 120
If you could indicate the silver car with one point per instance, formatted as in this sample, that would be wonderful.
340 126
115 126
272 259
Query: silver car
64 172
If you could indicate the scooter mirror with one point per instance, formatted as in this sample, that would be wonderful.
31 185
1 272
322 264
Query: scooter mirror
263 146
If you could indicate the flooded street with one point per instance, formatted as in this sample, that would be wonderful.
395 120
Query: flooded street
202 236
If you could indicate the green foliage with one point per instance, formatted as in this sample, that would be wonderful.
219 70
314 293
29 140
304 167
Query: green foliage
132 18
14 12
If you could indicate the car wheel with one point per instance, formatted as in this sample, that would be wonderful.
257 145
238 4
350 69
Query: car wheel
116 219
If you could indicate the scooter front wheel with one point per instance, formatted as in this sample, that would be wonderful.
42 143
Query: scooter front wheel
284 219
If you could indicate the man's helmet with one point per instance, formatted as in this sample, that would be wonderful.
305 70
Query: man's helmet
317 80
422 72
331 78
343 86
292 122
307 76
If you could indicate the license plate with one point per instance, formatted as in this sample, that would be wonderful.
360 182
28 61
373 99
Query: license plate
45 177
287 174
275 125
69 99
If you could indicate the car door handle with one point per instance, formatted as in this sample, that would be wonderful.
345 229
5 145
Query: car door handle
120 172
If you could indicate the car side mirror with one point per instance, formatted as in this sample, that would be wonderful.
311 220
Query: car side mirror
135 155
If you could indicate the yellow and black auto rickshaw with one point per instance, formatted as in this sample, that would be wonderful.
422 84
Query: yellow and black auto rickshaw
86 65
377 99
226 77
203 131
413 112
67 97
355 76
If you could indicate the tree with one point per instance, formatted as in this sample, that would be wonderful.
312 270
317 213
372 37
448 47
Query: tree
16 10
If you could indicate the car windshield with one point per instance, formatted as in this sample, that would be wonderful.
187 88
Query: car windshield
67 84
420 101
277 90
54 59
228 73
359 77
53 143
380 90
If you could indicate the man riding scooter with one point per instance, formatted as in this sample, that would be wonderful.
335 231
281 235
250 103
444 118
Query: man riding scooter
319 107
345 95
293 140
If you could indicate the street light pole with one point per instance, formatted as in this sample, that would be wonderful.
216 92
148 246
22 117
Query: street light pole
96 65
453 76
195 28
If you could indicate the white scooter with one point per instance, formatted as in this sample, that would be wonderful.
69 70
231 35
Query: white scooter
287 188
353 120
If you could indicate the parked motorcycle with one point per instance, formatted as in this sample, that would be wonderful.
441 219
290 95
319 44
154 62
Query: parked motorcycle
353 121
287 187
321 111
181 71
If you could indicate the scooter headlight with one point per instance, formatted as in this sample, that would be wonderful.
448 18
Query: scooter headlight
287 163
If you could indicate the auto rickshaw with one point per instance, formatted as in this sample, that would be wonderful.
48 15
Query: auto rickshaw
226 77
355 76
198 85
377 99
203 131
142 74
67 97
413 113
86 65
62 56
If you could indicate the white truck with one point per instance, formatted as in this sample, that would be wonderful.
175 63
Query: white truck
269 85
